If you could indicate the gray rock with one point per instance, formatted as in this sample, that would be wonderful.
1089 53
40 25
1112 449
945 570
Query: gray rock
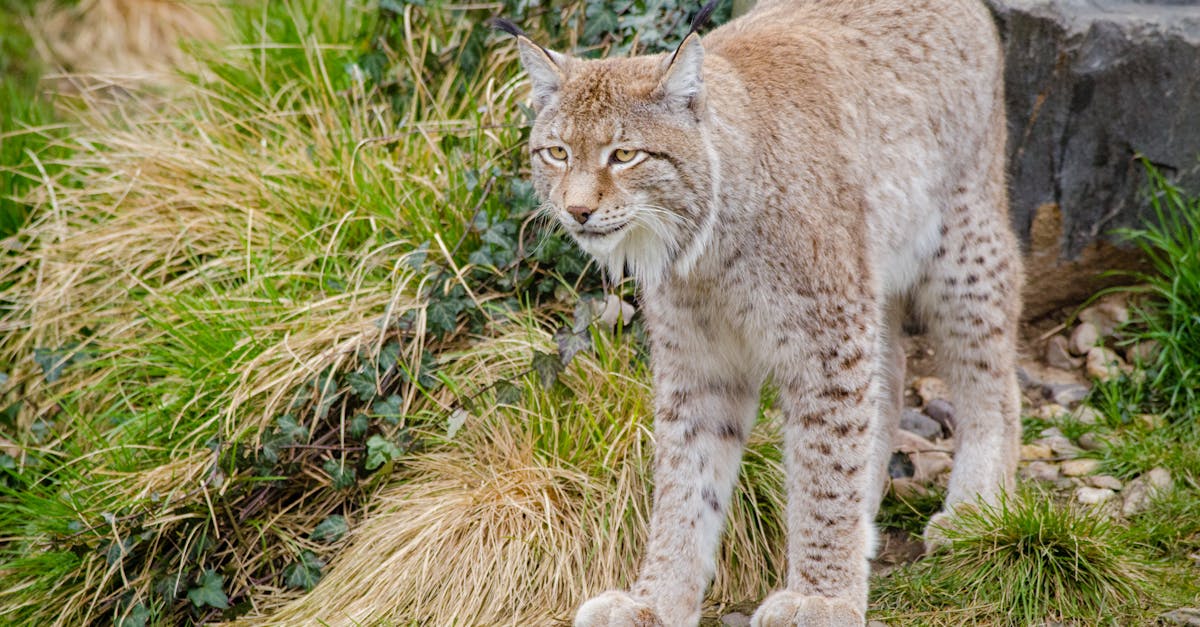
1187 616
1092 441
1090 84
1057 354
1139 492
1093 496
735 619
1083 338
1041 471
943 412
1065 394
914 421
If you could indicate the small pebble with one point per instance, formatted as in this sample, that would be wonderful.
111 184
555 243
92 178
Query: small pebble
1107 482
1086 415
1093 496
1083 338
1186 616
1150 421
735 619
1059 445
1080 467
1106 315
1050 412
1066 394
1139 492
1036 451
914 421
930 388
1057 355
943 412
1092 441
1040 471
906 488
1143 352
1103 364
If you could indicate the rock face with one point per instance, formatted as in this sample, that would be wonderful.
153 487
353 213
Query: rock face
1090 84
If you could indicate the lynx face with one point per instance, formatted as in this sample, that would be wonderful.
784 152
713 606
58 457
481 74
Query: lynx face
620 160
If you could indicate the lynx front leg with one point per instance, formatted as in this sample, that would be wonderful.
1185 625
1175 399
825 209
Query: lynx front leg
700 428
829 401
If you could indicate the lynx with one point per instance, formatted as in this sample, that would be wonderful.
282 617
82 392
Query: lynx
784 190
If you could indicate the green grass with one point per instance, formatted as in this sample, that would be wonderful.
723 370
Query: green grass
28 128
1024 561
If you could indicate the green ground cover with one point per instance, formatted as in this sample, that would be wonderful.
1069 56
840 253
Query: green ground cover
286 338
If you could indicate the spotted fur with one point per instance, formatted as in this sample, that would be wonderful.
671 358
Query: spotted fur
800 175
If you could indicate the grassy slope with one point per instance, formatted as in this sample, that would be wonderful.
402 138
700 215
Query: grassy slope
250 311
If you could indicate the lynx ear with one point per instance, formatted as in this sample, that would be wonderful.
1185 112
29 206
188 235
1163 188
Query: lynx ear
682 82
547 69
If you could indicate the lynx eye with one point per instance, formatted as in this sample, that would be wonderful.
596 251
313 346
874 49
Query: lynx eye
622 155
556 153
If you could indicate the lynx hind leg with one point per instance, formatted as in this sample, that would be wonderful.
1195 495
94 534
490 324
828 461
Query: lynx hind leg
892 404
971 305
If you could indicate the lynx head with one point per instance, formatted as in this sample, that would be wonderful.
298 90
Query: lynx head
621 155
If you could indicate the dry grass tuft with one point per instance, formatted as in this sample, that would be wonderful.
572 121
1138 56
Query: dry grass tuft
130 39
531 508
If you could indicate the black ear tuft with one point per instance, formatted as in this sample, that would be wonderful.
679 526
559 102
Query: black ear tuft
500 23
703 16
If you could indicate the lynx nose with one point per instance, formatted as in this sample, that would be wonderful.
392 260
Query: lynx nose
580 213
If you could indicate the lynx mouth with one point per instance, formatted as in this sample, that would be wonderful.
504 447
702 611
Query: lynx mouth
586 233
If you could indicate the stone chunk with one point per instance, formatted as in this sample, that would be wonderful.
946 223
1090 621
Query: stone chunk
1185 616
1083 338
930 388
1104 481
1093 496
1143 489
1103 364
1057 354
914 421
943 412
1036 451
1080 467
1040 471
1065 394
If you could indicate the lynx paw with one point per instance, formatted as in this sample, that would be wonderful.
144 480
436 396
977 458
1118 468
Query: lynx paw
792 609
935 531
616 609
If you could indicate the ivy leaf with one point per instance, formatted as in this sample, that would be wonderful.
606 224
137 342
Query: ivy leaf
389 409
426 372
416 258
8 416
359 425
304 573
343 476
171 586
117 550
362 384
507 393
137 616
442 314
388 355
571 343
547 367
209 592
380 451
285 432
330 530
54 361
